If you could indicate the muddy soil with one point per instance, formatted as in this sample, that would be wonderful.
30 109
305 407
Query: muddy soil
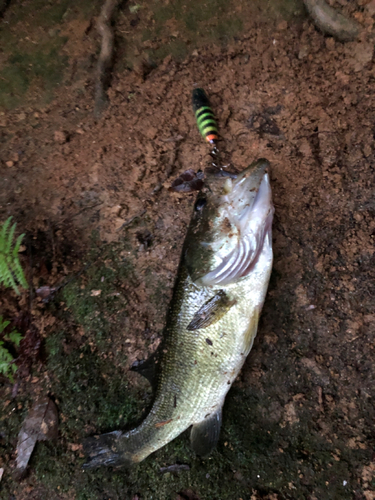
93 198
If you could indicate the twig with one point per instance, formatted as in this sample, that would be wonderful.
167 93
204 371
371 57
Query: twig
174 468
105 57
129 221
176 138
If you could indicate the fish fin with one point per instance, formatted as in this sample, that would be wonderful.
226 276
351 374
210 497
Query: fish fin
147 368
251 332
211 311
103 450
205 435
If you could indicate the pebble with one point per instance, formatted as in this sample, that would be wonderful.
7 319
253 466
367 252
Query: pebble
60 136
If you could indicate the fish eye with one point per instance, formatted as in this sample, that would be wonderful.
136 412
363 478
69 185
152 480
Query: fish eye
199 204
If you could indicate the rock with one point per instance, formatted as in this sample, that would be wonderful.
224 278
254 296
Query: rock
60 136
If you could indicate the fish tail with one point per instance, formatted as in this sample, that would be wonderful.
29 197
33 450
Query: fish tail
106 450
204 115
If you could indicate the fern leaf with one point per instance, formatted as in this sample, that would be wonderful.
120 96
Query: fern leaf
15 337
10 267
4 270
3 233
9 239
18 244
7 364
11 281
18 271
3 324
5 356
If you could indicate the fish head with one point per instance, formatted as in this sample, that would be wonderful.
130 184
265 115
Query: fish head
231 224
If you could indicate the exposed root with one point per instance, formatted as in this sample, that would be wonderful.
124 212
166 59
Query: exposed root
105 57
331 22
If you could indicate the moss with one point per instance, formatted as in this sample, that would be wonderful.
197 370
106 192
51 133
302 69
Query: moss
47 14
34 59
90 387
226 30
45 64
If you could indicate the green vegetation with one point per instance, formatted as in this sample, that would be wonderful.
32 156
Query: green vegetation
10 267
44 65
31 43
7 367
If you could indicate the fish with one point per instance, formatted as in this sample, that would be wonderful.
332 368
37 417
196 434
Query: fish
212 320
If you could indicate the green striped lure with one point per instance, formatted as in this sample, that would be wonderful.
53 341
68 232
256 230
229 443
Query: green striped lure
205 117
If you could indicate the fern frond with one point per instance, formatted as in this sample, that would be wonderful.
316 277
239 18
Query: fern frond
18 244
18 271
15 337
7 364
10 267
10 282
3 324
3 233
9 239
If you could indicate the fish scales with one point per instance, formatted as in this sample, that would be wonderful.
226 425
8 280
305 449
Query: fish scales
212 321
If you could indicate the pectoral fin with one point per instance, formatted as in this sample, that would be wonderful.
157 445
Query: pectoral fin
211 311
205 435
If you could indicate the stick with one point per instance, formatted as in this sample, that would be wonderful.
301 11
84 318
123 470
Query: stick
105 57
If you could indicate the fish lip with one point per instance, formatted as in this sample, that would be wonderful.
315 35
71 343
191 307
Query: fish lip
259 166
238 177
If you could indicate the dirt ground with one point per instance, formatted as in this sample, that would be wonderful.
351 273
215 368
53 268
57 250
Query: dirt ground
102 226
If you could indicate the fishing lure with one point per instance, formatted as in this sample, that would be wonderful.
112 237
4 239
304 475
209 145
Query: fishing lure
205 117
189 181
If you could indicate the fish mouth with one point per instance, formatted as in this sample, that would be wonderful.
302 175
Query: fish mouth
246 203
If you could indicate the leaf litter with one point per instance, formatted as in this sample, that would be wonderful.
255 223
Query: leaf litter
41 424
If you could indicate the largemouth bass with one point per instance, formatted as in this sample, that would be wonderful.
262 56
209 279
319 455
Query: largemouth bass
212 321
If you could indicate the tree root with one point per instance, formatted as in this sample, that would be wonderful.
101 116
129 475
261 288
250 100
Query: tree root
331 22
106 56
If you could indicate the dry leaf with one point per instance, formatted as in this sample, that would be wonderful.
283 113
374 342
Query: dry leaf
188 181
41 424
45 292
